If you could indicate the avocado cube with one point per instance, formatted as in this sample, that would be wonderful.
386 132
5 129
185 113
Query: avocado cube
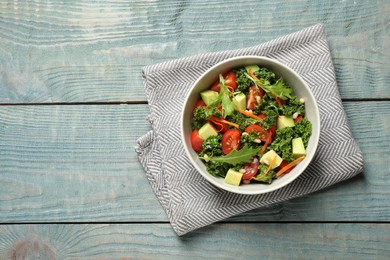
269 156
233 177
298 148
240 101
252 68
207 130
209 96
285 121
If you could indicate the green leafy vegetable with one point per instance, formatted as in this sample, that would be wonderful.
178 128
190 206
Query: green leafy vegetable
242 120
249 139
212 146
243 155
243 82
217 168
264 74
279 89
267 178
282 143
271 111
228 107
283 139
303 129
292 106
201 115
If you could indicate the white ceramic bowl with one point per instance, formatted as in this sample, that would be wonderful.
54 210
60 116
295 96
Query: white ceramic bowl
301 90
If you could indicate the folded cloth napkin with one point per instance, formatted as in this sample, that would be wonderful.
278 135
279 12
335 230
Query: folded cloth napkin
192 202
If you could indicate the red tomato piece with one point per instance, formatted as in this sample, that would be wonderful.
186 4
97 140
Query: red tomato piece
265 135
196 141
220 127
298 119
200 103
254 92
272 129
256 128
230 81
262 116
231 140
284 163
251 169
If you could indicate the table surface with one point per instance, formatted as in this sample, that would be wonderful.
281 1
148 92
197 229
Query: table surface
72 106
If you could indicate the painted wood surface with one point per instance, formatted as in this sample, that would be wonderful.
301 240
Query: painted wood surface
220 241
88 51
77 163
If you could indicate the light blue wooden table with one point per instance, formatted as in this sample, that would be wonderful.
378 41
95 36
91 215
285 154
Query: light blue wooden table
72 105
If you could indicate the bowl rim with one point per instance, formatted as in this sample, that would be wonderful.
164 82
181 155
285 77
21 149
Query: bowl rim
236 189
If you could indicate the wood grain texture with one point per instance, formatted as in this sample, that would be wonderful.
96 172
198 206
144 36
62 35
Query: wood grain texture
221 241
77 163
84 51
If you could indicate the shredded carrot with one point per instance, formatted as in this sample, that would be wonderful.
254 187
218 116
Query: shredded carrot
268 169
230 88
270 165
215 119
252 75
277 99
264 147
290 165
249 114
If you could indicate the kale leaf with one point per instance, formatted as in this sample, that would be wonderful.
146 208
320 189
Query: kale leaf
217 168
212 146
293 106
267 178
243 82
242 120
303 129
270 109
249 139
265 74
201 115
282 143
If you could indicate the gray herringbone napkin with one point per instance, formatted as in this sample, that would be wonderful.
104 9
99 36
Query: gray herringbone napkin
188 199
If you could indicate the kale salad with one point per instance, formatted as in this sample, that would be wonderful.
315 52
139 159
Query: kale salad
250 127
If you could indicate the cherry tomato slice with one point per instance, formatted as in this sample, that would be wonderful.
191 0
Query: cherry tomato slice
251 169
196 141
200 103
231 140
284 163
251 99
265 135
230 80
262 116
272 130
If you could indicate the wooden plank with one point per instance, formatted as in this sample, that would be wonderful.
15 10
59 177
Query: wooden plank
69 162
221 241
77 163
73 51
